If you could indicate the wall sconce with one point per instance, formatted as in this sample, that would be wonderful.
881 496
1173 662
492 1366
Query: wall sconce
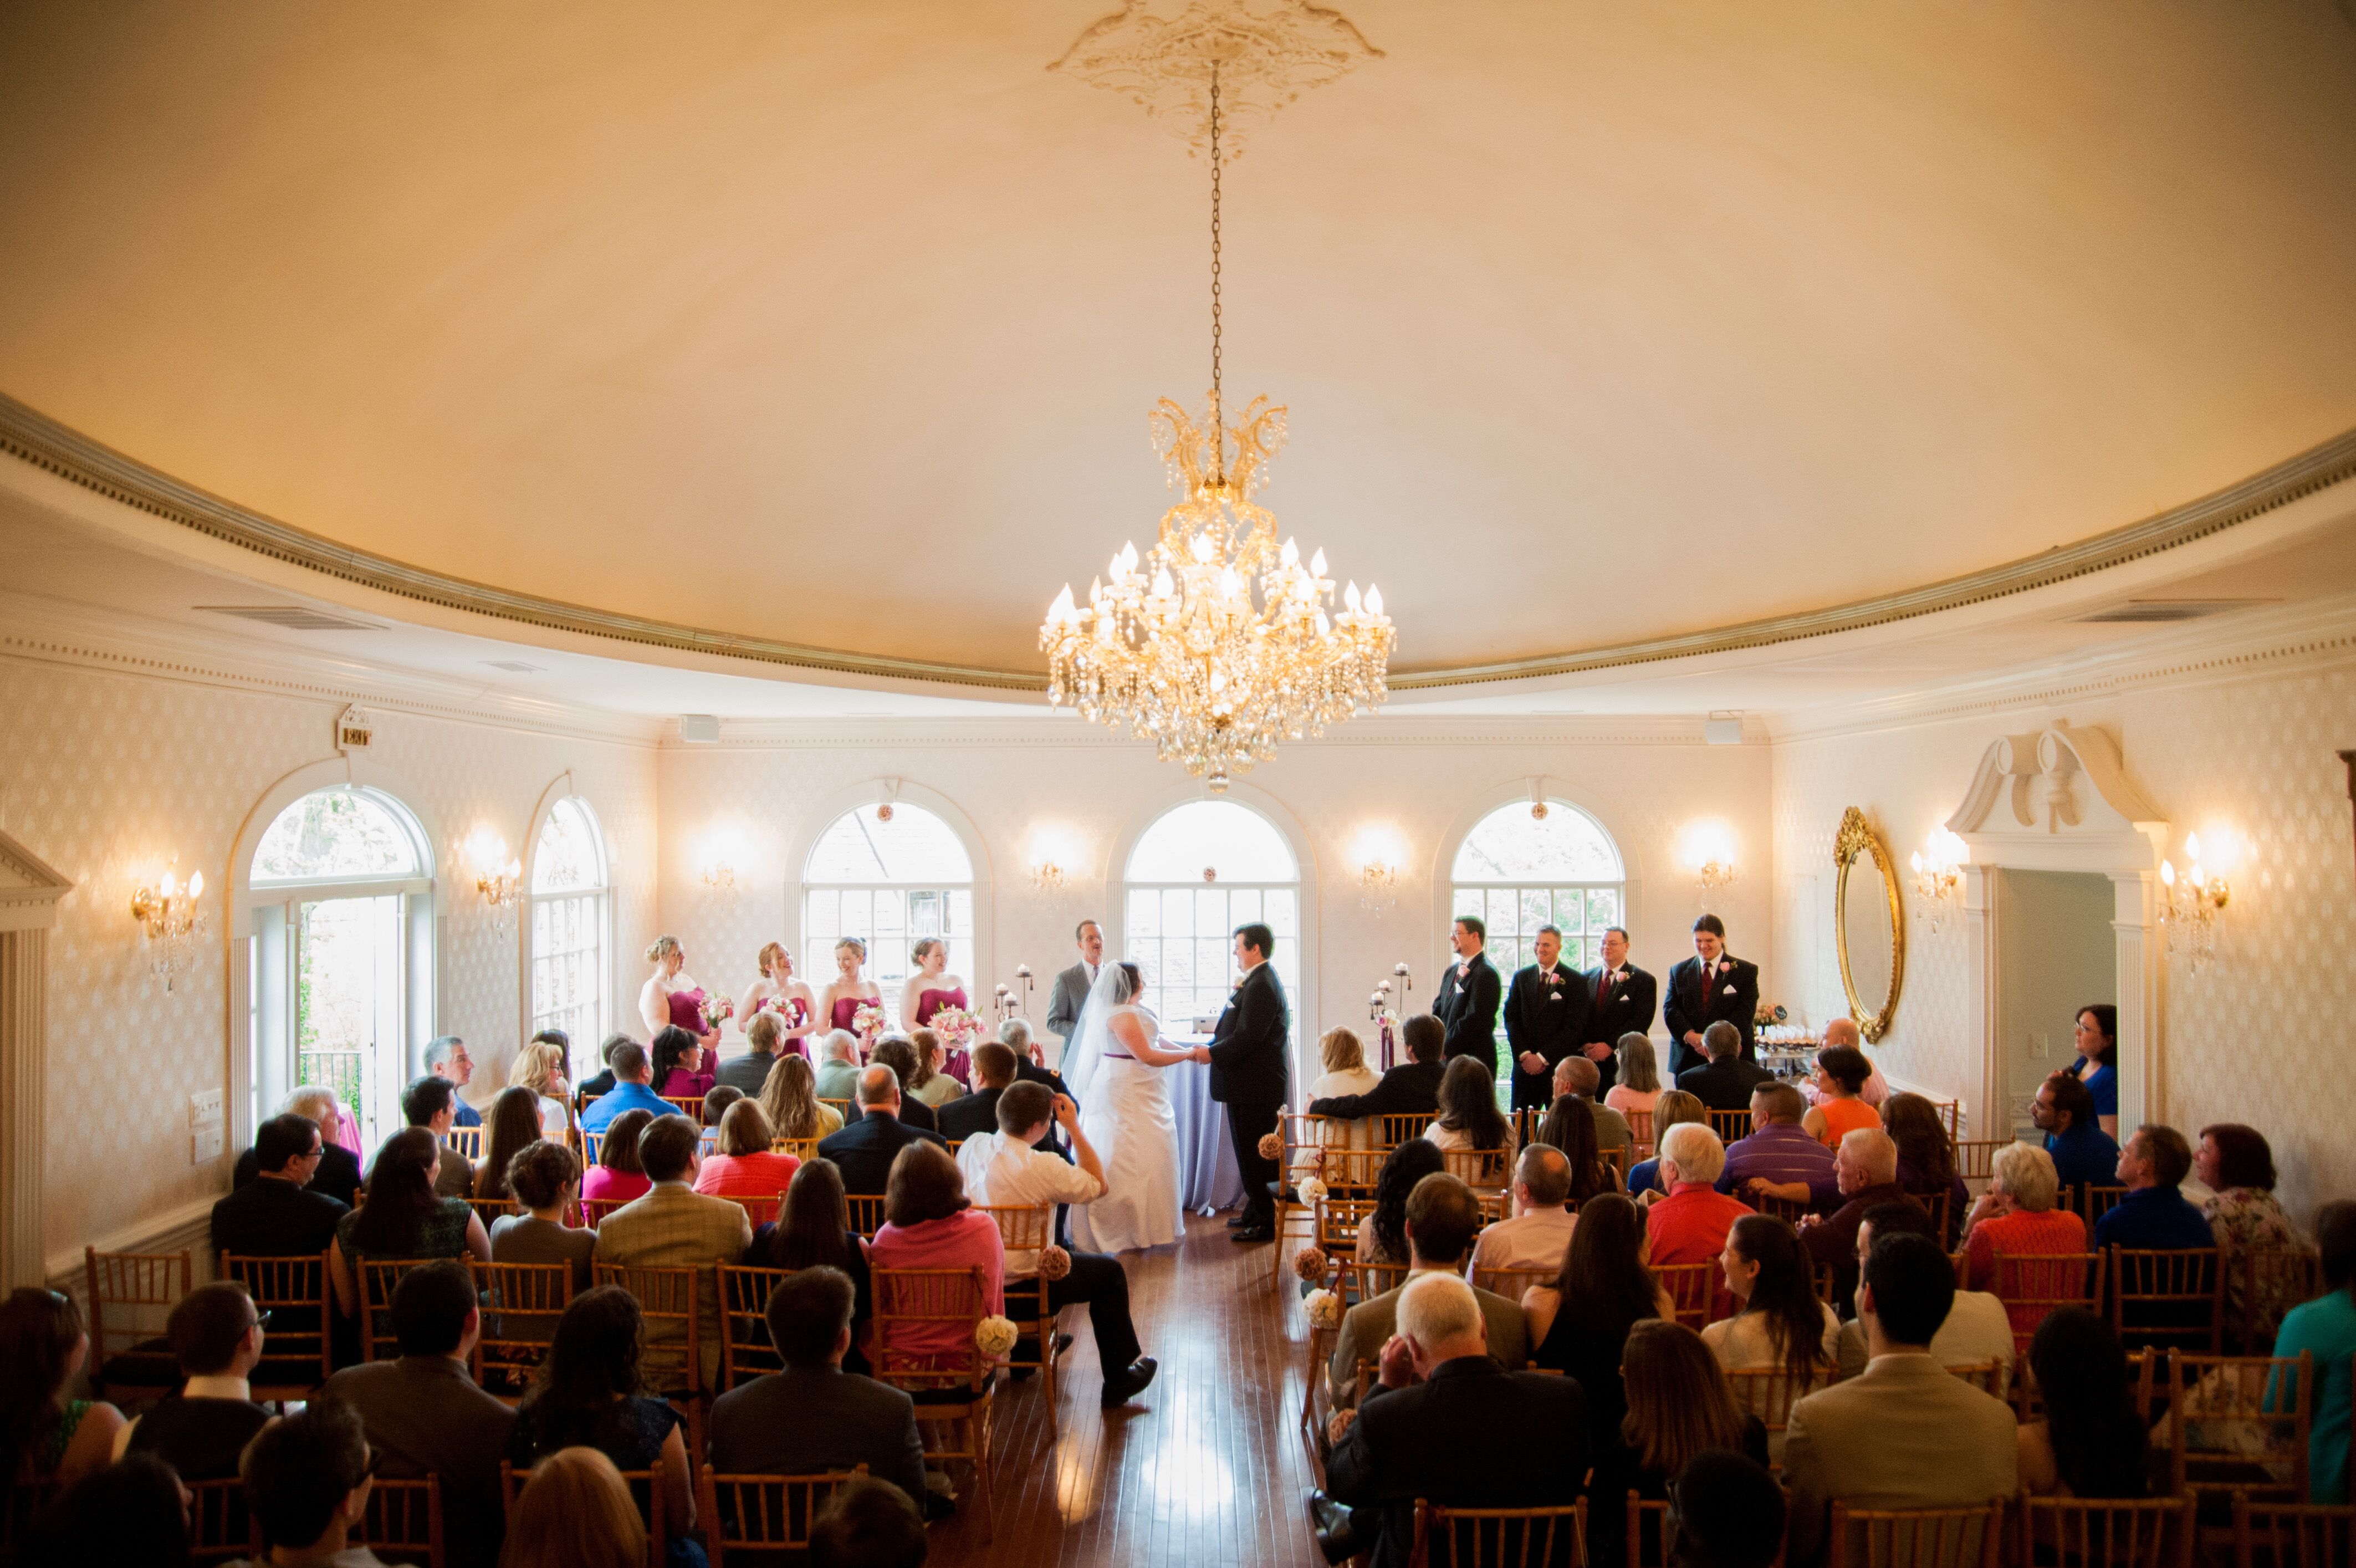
1378 886
1939 878
167 912
719 876
499 876
2190 904
1709 854
1046 876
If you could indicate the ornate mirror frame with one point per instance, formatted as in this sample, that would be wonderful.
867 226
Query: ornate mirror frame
1856 842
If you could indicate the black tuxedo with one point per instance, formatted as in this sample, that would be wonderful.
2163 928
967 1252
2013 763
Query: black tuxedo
1410 1087
913 1110
968 1114
338 1175
1730 993
1469 1008
1545 1012
864 1152
1726 1085
1251 1075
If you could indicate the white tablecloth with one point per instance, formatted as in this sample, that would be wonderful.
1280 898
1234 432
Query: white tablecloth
1207 1177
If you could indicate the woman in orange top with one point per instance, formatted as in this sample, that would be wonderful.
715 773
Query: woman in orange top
1841 1072
743 1168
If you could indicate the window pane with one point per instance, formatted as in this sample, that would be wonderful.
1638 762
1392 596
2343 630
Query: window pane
1282 907
1500 915
1144 914
1177 913
914 846
1509 845
570 854
340 833
1507 955
1603 909
1243 909
1569 912
1237 840
1537 909
1468 901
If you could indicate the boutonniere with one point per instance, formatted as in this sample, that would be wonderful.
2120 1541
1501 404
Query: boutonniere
1554 977
1463 970
1724 964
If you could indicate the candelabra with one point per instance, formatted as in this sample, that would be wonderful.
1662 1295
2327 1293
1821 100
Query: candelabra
167 912
1407 981
1023 979
2191 905
1939 878
1004 1003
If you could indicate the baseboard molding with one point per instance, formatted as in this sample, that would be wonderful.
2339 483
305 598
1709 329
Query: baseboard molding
188 1229
1962 1105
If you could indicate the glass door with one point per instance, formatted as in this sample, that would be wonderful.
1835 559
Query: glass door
347 1006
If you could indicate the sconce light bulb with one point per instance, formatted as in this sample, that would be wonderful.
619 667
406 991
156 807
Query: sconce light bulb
169 886
2192 848
2168 872
196 885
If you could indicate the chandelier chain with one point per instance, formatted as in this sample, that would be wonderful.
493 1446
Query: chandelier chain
1219 428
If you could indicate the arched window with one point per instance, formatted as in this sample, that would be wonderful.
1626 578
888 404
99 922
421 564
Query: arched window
886 874
1518 872
568 950
1200 871
342 891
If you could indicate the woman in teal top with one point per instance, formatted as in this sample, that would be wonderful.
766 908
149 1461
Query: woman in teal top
44 1436
2326 1326
402 1217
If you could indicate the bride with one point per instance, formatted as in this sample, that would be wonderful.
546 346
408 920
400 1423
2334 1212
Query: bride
1114 1070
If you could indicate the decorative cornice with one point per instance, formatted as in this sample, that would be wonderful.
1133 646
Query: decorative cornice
33 436
1382 731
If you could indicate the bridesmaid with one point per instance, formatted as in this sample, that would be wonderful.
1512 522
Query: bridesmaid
850 989
778 991
929 990
654 997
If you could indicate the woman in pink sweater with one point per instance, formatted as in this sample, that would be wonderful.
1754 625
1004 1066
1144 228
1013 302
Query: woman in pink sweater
928 1224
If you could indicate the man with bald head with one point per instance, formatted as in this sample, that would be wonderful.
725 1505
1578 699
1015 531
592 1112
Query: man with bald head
864 1151
1538 1234
1845 1032
1866 1167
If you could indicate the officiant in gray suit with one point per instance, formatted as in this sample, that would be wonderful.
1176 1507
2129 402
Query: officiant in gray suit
1071 992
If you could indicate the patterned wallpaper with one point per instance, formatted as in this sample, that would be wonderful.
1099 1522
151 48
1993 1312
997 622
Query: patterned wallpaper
2253 1036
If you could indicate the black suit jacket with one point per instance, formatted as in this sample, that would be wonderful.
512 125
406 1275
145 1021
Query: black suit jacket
864 1152
808 1419
1469 1008
1250 1047
1732 994
1627 1008
1724 1085
275 1219
969 1113
1028 1071
338 1175
1408 1087
749 1073
1549 1019
424 1415
913 1110
1473 1436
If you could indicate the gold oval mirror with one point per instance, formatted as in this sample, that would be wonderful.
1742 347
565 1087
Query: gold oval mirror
1869 925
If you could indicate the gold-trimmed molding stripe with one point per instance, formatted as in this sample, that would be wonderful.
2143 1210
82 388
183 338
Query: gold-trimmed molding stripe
33 436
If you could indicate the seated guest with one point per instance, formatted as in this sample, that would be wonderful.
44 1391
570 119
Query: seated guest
1570 1129
431 1103
1841 1072
1779 1159
426 1416
1577 1076
2326 1326
868 1523
131 1514
898 1053
1779 1323
2153 1214
2016 1217
1927 1160
676 1227
716 1101
604 1083
1538 1234
402 1218
1007 1166
745 1167
307 1478
1442 1217
1030 1061
2236 1164
1680 1407
1689 1225
633 1089
200 1430
747 1073
1468 1119
576 1512
974 1114
277 1214
1976 1331
618 1176
1865 1168
1639 1077
1675 1108
1446 1422
1903 1432
586 1395
931 1082
789 1098
447 1058
1725 1081
542 1067
337 1174
865 1150
930 1223
43 1435
813 1415
515 1127
813 1230
2083 1155
1580 1322
838 1070
1725 1511
2090 1442
1342 1055
1382 1235
1412 1087
546 1179
680 1071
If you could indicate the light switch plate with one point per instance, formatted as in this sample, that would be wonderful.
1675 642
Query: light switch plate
207 1134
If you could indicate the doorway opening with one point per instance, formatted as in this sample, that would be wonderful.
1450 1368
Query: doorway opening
2057 952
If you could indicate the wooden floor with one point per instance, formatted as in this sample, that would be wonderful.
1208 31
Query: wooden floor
1205 1467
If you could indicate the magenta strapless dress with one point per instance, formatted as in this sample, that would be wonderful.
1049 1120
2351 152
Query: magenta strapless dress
790 1012
687 1012
959 1063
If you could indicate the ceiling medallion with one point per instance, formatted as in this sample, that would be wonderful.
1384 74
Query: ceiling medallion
1174 645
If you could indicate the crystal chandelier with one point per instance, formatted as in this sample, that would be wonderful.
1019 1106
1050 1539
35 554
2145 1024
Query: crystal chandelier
1175 645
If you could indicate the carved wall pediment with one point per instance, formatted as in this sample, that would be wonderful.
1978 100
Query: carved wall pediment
2058 798
29 888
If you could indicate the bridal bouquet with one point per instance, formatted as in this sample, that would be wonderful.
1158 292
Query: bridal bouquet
867 1021
957 1028
717 1010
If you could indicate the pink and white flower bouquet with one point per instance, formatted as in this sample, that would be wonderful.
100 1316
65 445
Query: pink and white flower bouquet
867 1021
957 1028
717 1010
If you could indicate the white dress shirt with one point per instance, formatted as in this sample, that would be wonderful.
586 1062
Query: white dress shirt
1003 1171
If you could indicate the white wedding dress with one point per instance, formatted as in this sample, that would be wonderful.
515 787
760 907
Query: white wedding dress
1125 1111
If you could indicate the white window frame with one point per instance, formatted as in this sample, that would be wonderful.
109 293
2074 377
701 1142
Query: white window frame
1579 947
888 970
599 922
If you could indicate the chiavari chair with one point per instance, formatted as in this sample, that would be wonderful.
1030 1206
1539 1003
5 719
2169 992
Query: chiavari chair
2240 1425
2142 1533
2293 1535
866 1213
296 1350
762 1518
1396 1127
672 1359
521 1305
220 1527
2173 1297
1693 1287
1915 1538
952 1388
2031 1284
1030 1228
403 1521
746 1352
1501 1538
379 1277
129 1296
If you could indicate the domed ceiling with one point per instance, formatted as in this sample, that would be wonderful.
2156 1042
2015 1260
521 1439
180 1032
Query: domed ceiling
836 324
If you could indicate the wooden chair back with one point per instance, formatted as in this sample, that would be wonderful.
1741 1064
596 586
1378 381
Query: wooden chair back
1789 1211
1511 1283
2174 1297
1355 1281
296 1348
521 1305
2145 1532
1616 1156
2031 1284
802 1149
671 1363
595 1210
220 1527
2266 1282
2236 1422
759 1211
842 1108
1338 1221
1495 1206
1938 1203
1648 1532
2094 1202
403 1521
129 1296
1396 1127
866 1213
379 1278
1324 1134
1694 1287
490 1210
746 1352
2293 1535
908 1299
1730 1125
1770 1392
591 1143
2143 1386
1483 1170
465 1140
645 1491
1352 1173
1640 1128
1916 1538
1975 1162
687 1105
1029 1228
1501 1538
759 1518
1951 1117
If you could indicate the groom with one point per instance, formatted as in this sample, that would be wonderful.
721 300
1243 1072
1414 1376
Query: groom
1249 1074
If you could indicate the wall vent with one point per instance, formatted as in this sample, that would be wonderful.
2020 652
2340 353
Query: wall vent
515 666
293 617
2147 610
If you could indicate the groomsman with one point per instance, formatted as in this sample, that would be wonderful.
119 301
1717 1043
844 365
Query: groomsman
1619 1000
1467 996
1711 985
1071 992
1546 1020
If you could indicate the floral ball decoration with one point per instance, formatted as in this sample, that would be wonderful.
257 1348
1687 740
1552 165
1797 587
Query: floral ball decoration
994 1336
1312 1191
1054 1262
1271 1147
1310 1264
1324 1309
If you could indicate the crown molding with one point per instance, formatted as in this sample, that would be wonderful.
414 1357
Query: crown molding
34 438
1378 730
